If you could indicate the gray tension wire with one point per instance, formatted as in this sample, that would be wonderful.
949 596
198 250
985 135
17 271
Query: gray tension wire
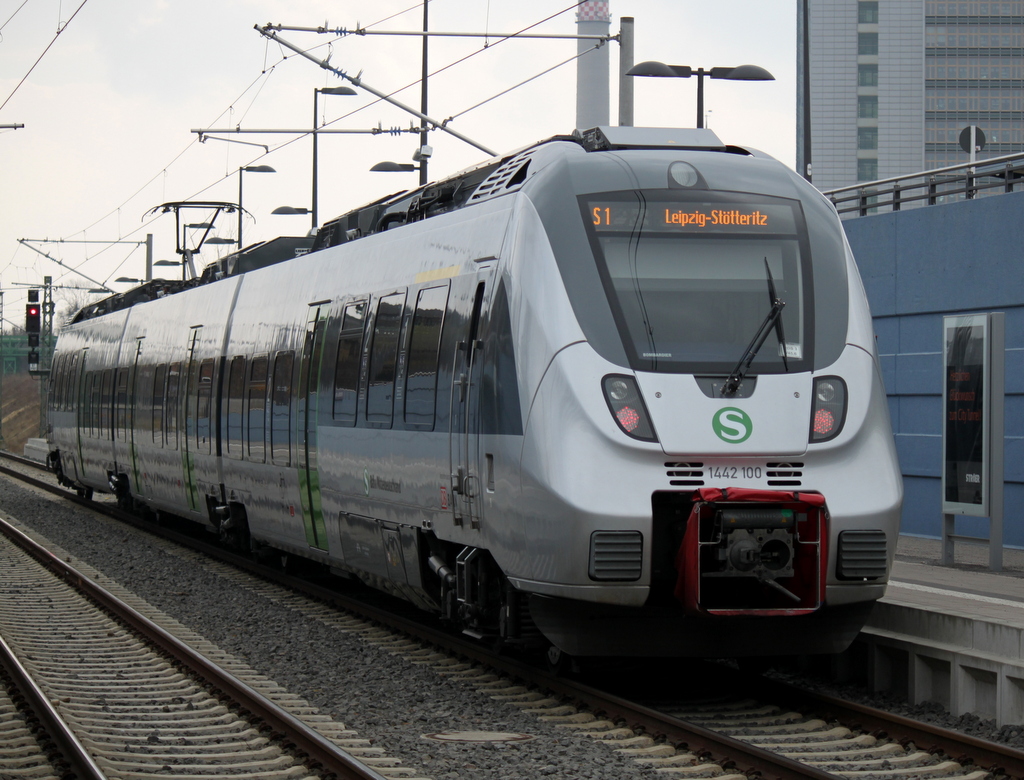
362 85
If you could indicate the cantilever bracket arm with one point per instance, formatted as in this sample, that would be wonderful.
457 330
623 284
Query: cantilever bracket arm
268 32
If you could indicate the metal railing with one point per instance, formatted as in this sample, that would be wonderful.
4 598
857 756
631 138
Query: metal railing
940 185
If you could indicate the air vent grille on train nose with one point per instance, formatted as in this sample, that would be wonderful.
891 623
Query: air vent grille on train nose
784 474
862 555
685 474
616 555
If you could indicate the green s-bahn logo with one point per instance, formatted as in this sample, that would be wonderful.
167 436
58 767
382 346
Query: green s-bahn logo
732 425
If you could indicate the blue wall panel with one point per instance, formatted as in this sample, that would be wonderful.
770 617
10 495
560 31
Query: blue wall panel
918 266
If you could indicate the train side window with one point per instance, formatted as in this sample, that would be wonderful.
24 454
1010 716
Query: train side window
121 404
94 405
142 399
55 399
236 396
54 382
69 382
204 407
171 405
346 370
106 403
380 392
424 347
61 383
257 408
280 410
159 379
85 405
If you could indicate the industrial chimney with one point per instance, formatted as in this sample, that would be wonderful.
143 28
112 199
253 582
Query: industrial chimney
593 18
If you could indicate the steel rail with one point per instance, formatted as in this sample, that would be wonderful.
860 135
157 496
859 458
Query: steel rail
721 748
71 749
321 750
718 746
992 756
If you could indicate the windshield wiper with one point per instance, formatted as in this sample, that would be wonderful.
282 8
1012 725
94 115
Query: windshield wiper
774 318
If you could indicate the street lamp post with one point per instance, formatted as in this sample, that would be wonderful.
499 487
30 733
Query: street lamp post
324 91
247 169
661 70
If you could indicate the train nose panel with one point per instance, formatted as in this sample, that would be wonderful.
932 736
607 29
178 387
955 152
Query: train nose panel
774 419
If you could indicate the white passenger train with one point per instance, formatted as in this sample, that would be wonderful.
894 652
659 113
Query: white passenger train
617 390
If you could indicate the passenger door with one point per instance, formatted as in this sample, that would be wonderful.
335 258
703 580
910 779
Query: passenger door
83 412
308 401
463 440
190 406
133 417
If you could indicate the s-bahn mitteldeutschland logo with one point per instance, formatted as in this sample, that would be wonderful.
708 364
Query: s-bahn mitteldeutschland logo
732 425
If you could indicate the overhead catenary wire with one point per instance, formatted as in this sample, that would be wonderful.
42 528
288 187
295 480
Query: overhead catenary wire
60 29
525 81
24 2
146 222
486 47
179 155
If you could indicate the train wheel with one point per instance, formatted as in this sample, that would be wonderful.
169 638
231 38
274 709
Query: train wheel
234 531
558 662
84 492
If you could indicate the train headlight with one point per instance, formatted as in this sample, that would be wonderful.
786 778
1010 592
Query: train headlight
627 407
618 389
828 412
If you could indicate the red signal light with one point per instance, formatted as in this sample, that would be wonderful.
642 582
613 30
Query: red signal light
32 318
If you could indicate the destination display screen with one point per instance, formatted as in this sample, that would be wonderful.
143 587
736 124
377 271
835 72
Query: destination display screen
691 217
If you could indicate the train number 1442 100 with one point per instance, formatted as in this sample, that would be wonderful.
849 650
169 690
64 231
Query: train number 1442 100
734 472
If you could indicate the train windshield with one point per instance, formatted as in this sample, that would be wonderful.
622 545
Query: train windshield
691 279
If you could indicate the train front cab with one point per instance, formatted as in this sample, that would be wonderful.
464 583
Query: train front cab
736 563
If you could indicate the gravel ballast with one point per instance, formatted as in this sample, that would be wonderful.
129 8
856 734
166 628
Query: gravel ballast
381 696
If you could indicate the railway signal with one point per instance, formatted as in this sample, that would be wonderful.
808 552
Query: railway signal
33 318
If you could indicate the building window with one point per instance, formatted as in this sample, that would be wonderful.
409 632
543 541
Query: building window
867 137
867 106
867 12
867 75
867 43
867 170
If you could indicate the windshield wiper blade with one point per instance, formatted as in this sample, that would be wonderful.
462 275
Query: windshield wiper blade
779 332
732 384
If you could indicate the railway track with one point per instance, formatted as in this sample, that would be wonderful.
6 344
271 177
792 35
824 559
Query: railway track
125 698
783 733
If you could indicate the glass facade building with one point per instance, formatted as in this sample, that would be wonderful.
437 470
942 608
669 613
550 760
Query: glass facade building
893 83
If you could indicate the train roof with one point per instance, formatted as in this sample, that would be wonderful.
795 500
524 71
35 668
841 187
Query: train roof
491 178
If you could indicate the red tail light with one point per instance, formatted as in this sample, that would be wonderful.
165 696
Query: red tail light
828 411
627 407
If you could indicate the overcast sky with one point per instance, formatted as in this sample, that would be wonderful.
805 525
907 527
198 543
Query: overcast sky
109 109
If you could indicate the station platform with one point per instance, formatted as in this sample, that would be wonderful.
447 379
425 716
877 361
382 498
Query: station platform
950 634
